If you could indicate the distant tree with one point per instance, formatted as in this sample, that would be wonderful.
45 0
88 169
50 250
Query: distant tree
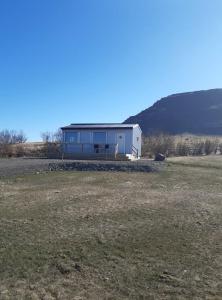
12 137
11 143
46 137
52 140
52 137
5 137
58 136
18 137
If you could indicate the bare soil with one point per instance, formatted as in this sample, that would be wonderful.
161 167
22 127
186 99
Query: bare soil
103 235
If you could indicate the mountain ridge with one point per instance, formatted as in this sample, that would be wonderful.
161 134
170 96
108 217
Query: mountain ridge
196 112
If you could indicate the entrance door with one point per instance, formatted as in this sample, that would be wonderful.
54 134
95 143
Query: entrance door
121 142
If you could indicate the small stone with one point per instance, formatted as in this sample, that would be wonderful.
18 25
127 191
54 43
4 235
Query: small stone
77 267
31 287
159 157
197 278
64 268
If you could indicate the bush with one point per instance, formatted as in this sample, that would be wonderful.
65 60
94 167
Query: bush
198 148
6 150
211 146
170 145
182 149
220 148
161 143
19 150
52 150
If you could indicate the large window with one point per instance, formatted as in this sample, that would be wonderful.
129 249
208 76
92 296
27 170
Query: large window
99 137
85 137
72 137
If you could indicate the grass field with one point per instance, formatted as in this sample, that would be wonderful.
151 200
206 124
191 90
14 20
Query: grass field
96 235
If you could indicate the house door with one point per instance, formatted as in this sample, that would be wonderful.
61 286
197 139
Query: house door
121 142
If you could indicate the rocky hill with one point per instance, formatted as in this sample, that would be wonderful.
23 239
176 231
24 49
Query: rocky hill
197 112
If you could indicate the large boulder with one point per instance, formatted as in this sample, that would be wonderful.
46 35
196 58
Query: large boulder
159 157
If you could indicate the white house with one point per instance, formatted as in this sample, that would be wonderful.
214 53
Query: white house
102 141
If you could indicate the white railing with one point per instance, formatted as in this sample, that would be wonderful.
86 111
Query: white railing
87 148
135 151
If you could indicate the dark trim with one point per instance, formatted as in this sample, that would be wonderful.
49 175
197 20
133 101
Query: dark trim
97 124
94 128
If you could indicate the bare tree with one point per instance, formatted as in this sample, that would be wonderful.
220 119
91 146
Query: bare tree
18 137
12 137
46 136
5 137
52 141
11 143
52 137
58 136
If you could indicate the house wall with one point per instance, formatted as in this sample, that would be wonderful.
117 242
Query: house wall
86 137
137 139
112 138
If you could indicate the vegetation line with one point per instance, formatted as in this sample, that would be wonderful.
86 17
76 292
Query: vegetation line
195 165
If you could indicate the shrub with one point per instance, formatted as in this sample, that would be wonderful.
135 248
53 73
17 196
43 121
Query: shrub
19 150
52 150
220 148
160 143
182 149
6 150
170 145
198 148
211 146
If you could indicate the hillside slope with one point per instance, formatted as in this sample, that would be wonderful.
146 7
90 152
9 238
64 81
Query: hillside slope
197 112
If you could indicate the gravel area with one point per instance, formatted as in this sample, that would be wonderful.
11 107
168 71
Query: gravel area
120 166
19 166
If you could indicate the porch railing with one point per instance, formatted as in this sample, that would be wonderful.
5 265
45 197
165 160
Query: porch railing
135 151
87 148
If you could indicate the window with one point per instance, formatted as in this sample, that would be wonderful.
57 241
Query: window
72 137
99 137
85 137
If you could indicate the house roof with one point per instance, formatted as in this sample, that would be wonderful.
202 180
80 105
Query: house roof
100 126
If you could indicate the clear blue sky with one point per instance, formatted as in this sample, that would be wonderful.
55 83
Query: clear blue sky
64 61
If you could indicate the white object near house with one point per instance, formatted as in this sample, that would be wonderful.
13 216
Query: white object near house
102 141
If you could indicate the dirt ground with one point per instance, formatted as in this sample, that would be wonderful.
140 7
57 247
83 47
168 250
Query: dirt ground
101 235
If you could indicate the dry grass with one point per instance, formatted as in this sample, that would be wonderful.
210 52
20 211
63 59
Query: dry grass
181 145
89 235
211 161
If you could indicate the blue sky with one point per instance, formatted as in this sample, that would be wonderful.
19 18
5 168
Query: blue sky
64 61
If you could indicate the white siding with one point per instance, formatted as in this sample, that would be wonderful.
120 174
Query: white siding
137 139
86 137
